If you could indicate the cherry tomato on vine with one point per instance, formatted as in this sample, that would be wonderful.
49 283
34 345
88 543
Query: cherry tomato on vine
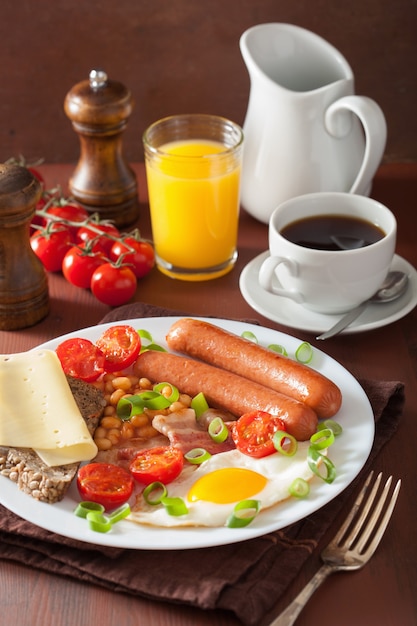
109 485
81 358
120 345
37 175
161 464
80 262
113 285
110 232
138 254
51 245
253 433
71 211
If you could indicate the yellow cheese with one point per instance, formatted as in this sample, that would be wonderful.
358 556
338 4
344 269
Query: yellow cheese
38 410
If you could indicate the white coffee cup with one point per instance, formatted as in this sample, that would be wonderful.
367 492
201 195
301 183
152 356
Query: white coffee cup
322 280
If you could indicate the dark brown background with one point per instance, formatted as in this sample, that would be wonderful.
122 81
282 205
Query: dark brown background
181 56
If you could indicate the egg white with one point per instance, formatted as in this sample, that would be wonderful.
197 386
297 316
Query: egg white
279 471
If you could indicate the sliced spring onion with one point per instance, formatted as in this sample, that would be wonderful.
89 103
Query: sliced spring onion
173 396
146 336
99 522
304 352
97 519
155 492
276 347
299 488
154 346
218 430
197 456
120 513
285 443
334 426
134 405
243 514
247 334
322 439
174 506
86 507
318 461
199 404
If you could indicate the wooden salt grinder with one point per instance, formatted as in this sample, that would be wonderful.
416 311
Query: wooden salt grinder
24 298
102 181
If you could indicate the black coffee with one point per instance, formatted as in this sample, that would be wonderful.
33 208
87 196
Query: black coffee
332 232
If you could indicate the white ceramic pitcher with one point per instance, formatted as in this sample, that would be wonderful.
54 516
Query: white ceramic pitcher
305 130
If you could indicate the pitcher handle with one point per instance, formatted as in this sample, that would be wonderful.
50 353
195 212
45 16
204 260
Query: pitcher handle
338 123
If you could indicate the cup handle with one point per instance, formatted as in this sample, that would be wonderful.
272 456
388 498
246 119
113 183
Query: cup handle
267 275
338 123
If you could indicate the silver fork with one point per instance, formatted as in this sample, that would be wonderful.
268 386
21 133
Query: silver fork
353 545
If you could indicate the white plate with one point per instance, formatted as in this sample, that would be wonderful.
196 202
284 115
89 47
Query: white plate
349 454
286 311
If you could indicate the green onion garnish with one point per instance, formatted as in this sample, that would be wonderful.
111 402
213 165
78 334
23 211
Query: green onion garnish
218 430
145 335
199 404
304 352
243 514
197 456
173 396
174 506
99 522
134 405
247 334
334 426
299 488
86 507
316 460
97 519
285 443
155 492
275 347
120 513
322 439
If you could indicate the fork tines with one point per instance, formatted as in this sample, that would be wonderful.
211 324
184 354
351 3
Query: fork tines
368 517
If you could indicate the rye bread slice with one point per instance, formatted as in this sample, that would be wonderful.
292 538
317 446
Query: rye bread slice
24 467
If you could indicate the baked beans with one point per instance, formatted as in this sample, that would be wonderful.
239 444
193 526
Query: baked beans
113 431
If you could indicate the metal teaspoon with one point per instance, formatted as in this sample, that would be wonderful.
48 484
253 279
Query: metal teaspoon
394 285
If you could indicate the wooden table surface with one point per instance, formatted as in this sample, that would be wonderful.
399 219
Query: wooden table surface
384 592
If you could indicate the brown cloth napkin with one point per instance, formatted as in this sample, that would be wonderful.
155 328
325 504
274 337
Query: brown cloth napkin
246 578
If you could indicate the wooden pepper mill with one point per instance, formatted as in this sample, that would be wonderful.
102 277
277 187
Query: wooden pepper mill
102 181
24 298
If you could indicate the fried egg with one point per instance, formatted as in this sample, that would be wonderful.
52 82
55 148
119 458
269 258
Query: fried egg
211 490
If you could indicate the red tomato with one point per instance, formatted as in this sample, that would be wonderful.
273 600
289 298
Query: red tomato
113 285
50 246
37 175
162 464
253 433
79 264
110 233
138 254
80 358
69 211
120 345
109 485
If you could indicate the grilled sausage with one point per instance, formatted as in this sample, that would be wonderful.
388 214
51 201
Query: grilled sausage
225 390
201 340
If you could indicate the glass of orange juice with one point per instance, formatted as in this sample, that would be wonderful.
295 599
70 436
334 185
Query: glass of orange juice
193 165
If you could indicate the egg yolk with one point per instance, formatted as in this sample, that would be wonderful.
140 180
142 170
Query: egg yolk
227 485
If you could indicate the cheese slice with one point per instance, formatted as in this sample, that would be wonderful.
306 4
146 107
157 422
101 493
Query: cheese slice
38 410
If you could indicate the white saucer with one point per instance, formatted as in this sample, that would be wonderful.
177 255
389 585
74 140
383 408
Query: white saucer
285 311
